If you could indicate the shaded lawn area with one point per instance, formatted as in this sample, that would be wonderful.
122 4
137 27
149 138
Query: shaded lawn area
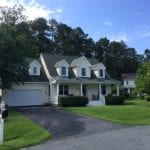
20 132
133 112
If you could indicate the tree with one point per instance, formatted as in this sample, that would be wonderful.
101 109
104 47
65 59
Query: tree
41 33
143 78
29 45
102 47
12 15
147 55
117 57
12 61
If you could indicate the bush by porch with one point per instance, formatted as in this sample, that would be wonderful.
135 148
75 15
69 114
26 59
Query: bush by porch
72 101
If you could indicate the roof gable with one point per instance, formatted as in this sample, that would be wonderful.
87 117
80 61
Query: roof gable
98 66
61 63
78 61
35 63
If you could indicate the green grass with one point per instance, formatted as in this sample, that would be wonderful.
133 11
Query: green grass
21 132
134 112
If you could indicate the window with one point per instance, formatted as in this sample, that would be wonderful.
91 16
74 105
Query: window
83 70
126 82
63 71
34 70
101 73
63 89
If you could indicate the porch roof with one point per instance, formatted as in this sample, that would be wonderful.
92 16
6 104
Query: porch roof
85 80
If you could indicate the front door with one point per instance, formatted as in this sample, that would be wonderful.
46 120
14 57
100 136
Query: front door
84 90
103 90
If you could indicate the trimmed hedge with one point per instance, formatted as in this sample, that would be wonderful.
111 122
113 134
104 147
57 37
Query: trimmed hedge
114 100
72 101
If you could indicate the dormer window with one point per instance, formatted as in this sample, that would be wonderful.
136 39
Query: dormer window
101 73
62 68
63 71
34 70
83 70
99 70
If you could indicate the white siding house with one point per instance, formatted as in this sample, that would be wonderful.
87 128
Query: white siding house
52 76
128 82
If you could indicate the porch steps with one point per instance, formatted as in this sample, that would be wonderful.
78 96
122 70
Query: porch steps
95 103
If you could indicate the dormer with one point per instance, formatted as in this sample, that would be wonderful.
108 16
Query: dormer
62 68
99 70
81 67
34 68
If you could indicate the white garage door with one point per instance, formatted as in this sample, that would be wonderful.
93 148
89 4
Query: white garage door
24 97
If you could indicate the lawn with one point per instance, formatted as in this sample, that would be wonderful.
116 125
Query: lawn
133 112
20 132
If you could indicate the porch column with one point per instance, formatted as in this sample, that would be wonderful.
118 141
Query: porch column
117 90
57 87
81 89
129 91
57 93
100 93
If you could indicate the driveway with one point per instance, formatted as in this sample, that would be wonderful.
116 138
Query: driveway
75 132
64 125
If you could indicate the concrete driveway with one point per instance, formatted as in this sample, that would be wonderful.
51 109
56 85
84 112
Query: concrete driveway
64 125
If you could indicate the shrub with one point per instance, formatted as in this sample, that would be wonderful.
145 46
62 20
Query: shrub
147 97
72 101
114 100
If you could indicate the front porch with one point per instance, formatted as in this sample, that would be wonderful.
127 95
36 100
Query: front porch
95 92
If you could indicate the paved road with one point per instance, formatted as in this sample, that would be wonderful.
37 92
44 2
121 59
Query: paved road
63 124
136 138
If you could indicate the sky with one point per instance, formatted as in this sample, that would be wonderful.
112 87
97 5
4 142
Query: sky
127 20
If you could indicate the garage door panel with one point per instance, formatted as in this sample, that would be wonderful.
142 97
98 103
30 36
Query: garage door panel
25 97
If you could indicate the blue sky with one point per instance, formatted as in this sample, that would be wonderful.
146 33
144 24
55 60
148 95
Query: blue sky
127 20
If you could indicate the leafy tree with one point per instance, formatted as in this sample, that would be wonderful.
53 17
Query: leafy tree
12 15
102 47
117 57
143 78
12 62
41 33
29 45
147 55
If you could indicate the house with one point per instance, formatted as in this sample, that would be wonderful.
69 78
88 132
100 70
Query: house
128 82
52 76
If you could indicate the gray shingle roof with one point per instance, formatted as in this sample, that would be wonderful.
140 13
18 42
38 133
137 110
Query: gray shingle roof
128 76
52 59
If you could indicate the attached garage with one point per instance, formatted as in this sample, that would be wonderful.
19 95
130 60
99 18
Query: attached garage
34 91
25 97
28 94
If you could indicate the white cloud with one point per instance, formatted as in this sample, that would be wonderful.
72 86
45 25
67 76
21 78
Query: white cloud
107 23
145 34
120 37
144 31
33 9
